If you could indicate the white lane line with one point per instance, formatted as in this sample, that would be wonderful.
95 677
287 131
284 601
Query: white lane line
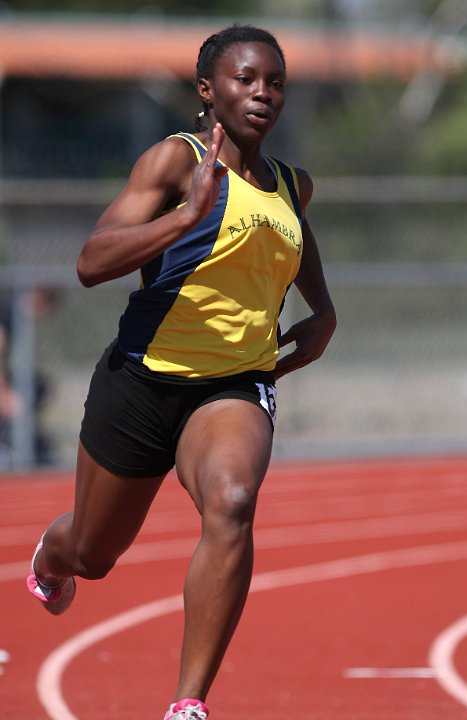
15 571
366 673
14 535
51 672
283 536
441 659
362 564
312 534
4 658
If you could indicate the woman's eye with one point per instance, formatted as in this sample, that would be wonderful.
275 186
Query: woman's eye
278 84
243 79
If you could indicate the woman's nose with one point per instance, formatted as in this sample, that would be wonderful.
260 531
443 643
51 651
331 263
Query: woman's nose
261 89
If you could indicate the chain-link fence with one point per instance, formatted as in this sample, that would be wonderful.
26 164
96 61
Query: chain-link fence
394 378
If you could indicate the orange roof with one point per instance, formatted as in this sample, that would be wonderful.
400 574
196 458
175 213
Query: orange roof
130 50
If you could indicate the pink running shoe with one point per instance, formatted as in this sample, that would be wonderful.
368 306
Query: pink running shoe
56 599
188 709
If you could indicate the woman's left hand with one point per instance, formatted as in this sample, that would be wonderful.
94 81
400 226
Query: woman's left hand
311 337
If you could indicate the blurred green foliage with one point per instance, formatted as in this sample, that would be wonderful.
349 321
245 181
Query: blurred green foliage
441 145
360 128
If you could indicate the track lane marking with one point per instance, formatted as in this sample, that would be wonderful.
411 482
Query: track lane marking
284 536
441 659
368 673
50 674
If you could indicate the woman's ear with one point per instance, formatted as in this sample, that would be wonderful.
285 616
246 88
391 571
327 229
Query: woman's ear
204 90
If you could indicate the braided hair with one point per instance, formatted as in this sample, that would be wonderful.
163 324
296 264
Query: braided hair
215 46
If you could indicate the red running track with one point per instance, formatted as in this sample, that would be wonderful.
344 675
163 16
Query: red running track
357 611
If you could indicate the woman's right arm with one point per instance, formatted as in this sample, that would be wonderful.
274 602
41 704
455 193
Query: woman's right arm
131 232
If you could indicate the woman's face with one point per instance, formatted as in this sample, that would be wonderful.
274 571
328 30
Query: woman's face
246 91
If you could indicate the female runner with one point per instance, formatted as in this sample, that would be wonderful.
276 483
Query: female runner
219 233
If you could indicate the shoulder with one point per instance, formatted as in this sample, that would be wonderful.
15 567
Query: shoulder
305 186
159 180
169 162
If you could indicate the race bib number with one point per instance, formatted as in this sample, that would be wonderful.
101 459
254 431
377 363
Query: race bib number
267 399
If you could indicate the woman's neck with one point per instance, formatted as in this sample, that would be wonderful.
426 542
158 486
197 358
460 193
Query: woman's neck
245 162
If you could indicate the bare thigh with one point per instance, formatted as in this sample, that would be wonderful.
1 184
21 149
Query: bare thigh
224 451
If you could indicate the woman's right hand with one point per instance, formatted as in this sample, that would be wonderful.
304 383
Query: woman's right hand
206 183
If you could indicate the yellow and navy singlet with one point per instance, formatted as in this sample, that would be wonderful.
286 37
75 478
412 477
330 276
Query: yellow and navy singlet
208 306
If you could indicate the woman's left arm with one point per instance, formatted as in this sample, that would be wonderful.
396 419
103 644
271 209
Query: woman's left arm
312 334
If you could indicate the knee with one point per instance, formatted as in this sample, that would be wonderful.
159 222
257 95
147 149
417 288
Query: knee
64 552
232 503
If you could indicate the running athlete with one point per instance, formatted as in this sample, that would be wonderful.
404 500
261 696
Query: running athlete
219 233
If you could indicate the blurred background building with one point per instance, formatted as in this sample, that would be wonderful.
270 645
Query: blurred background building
377 107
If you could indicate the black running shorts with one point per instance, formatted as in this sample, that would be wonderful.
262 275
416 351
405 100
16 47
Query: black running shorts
134 417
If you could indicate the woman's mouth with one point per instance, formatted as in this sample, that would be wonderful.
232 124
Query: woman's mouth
258 117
